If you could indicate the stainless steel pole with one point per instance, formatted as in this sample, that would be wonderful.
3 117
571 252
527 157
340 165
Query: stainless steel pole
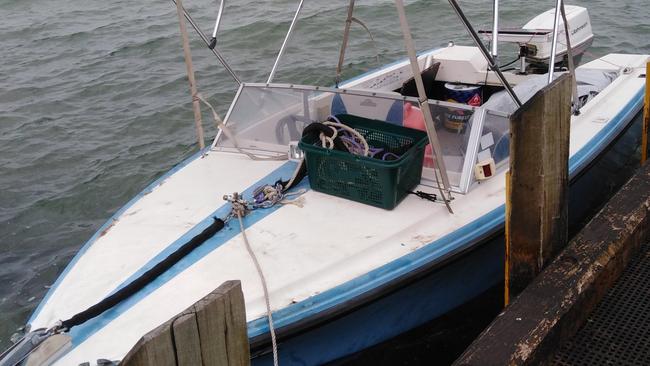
284 43
422 98
491 63
213 41
495 29
556 25
207 43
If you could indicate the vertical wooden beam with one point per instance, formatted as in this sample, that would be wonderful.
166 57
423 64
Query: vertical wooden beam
187 340
213 344
212 332
538 186
506 282
646 116
237 340
222 312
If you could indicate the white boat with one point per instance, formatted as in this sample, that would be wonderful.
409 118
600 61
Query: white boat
342 275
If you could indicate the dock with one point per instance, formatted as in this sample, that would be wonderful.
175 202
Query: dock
616 332
591 304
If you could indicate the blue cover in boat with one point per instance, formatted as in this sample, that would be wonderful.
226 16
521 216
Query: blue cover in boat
590 83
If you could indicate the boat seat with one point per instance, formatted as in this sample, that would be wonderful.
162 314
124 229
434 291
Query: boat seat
374 108
590 83
409 88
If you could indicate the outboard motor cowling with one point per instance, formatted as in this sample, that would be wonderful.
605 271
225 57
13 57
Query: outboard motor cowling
535 38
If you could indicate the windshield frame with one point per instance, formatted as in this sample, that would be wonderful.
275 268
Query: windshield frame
467 179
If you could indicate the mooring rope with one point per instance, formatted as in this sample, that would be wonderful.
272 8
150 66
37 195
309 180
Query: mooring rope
240 210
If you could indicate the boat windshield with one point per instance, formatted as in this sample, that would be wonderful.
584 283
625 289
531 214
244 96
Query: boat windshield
266 118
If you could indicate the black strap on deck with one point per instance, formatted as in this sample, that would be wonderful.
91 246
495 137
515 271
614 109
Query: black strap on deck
146 278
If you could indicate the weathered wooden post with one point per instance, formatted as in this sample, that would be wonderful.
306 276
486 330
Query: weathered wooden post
537 192
212 332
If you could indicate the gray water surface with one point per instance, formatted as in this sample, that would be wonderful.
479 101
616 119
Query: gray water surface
94 101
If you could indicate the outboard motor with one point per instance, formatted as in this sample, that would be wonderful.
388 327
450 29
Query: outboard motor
535 39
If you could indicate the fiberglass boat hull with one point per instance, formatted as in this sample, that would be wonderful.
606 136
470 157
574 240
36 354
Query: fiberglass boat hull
397 295
433 291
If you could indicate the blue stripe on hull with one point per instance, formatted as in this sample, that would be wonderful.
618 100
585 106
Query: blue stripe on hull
405 309
581 159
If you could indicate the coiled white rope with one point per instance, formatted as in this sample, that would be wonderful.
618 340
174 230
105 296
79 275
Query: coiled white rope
327 141
355 133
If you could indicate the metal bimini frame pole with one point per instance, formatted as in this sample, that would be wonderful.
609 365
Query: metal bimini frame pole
491 63
422 99
284 43
213 41
495 29
207 42
556 25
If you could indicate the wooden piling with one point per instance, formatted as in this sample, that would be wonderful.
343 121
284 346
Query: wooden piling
537 204
506 267
212 332
646 116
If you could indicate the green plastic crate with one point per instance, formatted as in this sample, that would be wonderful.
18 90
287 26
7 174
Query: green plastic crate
368 180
